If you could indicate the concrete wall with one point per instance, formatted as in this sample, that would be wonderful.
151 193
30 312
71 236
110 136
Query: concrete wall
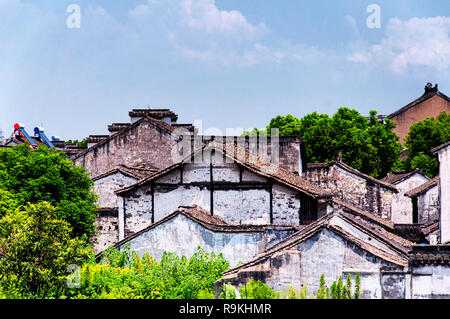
444 173
182 236
401 204
362 193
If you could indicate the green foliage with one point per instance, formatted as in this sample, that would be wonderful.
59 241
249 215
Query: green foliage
423 136
228 292
323 292
123 274
82 144
366 144
35 251
358 292
254 132
34 176
256 290
292 293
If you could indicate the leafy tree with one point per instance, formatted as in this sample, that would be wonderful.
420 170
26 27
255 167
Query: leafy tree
124 274
254 132
35 251
366 144
256 290
33 176
82 144
423 136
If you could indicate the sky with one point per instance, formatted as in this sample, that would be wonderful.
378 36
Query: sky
231 64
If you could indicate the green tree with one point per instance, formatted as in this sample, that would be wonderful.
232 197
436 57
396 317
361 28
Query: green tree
256 289
35 250
423 136
366 144
124 274
33 176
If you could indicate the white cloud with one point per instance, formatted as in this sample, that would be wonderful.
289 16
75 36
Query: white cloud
204 15
418 42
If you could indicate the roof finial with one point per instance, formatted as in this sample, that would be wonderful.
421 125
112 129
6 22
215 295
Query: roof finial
430 89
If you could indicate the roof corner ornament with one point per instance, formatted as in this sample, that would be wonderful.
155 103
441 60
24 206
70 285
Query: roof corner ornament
430 89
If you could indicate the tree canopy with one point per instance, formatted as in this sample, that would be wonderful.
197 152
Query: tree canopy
34 176
423 136
366 144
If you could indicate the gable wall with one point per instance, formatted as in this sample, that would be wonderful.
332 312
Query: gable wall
429 108
401 204
324 253
182 236
354 189
144 144
106 186
246 202
428 205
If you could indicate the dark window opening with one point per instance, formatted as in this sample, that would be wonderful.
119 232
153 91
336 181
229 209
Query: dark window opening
308 210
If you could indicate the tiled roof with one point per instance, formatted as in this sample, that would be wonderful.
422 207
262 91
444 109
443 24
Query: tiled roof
398 244
249 161
134 172
397 177
354 171
436 149
154 113
430 254
96 138
116 127
424 187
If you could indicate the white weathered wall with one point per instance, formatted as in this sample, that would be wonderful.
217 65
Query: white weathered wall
168 200
431 281
106 186
285 205
107 232
182 236
401 204
251 207
444 173
428 205
135 210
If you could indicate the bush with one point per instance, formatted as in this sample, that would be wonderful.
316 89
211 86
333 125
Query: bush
124 274
256 290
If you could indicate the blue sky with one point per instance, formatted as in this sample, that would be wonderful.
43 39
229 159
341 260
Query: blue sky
231 64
